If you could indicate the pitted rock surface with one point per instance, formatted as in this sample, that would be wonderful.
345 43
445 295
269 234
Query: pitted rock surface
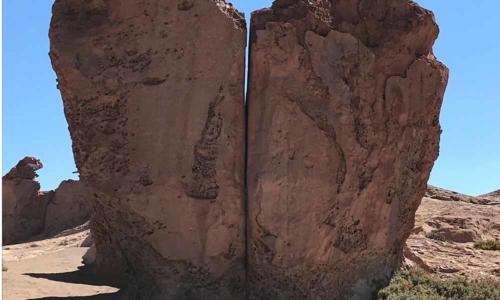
343 130
153 94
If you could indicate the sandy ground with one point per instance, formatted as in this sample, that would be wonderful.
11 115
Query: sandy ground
51 269
441 243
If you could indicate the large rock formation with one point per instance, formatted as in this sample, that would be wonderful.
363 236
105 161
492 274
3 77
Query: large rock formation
343 130
69 207
23 205
29 212
153 94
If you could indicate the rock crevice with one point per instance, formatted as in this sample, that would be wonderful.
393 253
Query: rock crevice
308 192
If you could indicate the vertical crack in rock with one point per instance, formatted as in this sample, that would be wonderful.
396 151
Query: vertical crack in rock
315 194
203 184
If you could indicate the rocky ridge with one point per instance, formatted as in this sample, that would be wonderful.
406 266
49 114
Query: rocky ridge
437 193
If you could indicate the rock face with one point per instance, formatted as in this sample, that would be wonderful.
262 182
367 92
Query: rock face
69 207
445 229
24 206
343 130
153 94
28 212
25 169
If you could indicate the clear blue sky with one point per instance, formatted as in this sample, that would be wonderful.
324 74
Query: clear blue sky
469 44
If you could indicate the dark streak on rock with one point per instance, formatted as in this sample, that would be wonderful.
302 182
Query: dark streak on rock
153 81
203 184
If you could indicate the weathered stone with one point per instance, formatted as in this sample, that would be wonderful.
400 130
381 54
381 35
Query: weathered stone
89 257
29 213
23 205
153 94
23 209
343 130
25 169
448 228
69 207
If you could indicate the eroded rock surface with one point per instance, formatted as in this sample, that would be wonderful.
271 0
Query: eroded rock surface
30 213
69 207
442 241
23 204
153 94
343 131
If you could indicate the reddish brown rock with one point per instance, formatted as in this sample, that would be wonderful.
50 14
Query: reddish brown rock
437 193
493 196
23 205
25 169
30 213
343 130
69 207
153 94
448 228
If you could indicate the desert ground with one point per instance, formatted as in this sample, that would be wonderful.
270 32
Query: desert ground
51 269
443 239
447 225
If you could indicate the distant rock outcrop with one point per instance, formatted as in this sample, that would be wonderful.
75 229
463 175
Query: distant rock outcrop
69 207
495 196
25 169
343 130
154 96
28 212
442 241
24 206
446 195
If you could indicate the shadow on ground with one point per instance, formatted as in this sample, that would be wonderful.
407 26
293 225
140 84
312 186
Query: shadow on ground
84 275
110 296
